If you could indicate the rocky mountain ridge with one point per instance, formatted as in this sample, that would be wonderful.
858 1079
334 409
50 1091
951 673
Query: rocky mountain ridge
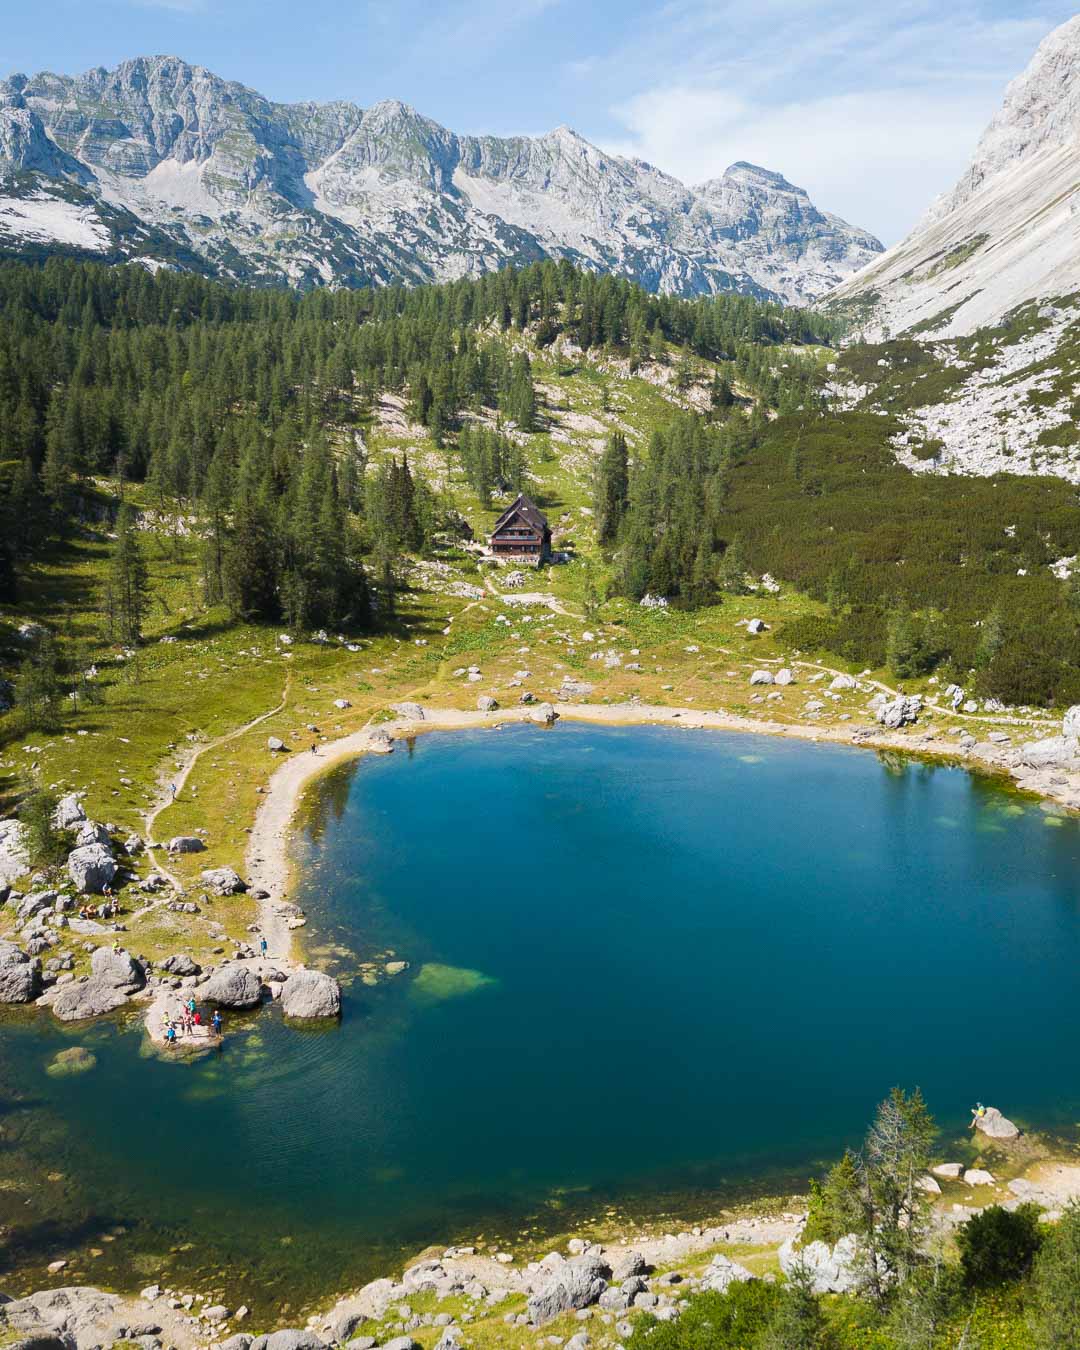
165 161
1008 233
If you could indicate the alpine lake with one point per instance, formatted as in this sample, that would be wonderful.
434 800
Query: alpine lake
652 972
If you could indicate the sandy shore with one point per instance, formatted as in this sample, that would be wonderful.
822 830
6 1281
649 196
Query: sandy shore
268 855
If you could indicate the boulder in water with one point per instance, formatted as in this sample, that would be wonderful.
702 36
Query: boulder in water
310 994
995 1125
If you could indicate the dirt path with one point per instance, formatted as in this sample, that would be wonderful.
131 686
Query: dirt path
165 797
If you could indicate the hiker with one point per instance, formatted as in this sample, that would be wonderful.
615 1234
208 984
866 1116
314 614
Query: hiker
262 946
196 1019
191 1005
978 1111
172 789
314 751
215 1023
170 1035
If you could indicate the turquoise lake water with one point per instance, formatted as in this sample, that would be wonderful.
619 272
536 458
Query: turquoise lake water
650 969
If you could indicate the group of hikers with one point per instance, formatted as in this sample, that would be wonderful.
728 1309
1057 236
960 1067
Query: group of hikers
190 1023
108 909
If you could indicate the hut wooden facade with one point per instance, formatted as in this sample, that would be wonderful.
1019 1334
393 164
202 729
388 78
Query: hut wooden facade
522 533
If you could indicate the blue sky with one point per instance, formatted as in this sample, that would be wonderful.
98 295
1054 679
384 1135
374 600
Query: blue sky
873 107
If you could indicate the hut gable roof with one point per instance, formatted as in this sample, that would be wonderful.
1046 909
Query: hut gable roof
527 509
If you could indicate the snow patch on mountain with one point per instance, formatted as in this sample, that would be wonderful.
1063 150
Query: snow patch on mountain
50 220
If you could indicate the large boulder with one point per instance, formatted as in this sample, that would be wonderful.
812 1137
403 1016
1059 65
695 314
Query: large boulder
233 987
1070 723
380 742
14 860
761 677
117 968
19 980
91 868
842 682
224 880
899 712
576 1283
309 994
543 714
69 812
89 998
411 712
487 703
829 1270
995 1125
186 843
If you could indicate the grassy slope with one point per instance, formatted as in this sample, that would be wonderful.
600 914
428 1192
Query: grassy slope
214 676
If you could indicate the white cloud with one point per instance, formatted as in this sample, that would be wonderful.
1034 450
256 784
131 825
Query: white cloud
877 158
875 110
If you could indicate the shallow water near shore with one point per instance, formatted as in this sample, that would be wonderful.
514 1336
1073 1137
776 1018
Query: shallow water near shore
650 970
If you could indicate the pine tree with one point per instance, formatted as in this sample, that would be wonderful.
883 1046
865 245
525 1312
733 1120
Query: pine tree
612 493
127 587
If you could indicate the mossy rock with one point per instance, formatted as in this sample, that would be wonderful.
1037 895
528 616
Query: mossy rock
75 1060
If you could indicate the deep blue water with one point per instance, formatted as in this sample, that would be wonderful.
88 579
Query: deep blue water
680 962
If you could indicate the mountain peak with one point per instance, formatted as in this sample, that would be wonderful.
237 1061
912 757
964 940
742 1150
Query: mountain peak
332 194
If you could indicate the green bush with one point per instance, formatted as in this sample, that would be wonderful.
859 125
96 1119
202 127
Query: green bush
1055 1313
997 1247
730 1321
